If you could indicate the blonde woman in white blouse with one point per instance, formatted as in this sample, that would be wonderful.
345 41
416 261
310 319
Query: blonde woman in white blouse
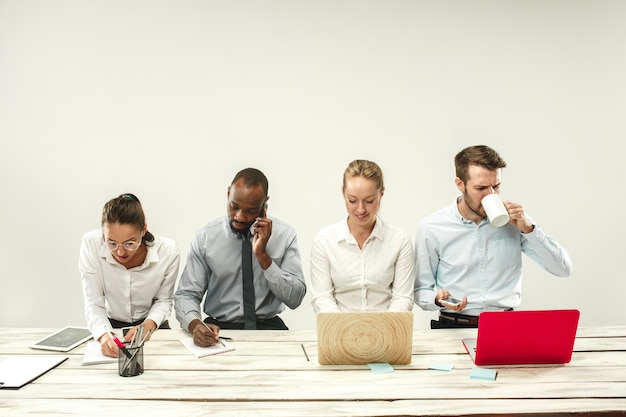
362 263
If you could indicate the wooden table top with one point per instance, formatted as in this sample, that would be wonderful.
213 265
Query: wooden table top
268 374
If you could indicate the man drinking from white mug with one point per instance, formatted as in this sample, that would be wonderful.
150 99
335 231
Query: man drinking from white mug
467 263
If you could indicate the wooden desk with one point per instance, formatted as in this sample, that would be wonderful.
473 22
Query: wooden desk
269 375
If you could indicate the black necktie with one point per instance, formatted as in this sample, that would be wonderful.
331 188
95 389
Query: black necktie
249 310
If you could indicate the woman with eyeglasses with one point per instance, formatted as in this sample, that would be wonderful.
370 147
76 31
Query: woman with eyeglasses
128 274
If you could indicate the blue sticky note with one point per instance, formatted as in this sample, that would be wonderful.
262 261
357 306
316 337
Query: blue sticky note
380 368
484 373
441 367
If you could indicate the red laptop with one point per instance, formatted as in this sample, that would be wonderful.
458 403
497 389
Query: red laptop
524 337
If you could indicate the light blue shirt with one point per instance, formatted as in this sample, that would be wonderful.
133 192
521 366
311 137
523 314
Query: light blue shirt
481 261
214 267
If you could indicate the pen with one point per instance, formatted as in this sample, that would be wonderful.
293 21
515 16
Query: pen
132 339
143 339
120 345
140 335
305 354
209 329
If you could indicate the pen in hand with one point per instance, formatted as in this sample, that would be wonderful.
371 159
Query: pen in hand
120 345
211 330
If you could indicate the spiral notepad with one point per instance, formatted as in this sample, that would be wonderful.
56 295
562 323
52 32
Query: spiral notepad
201 352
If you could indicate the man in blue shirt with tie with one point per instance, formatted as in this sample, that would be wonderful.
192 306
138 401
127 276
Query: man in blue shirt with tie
460 254
217 266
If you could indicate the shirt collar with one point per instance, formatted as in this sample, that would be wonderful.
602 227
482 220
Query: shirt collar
231 233
457 214
377 232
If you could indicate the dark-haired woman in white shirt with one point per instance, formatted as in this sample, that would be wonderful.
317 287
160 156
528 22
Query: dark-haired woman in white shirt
128 274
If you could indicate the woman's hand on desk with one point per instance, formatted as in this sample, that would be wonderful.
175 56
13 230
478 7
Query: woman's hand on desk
204 334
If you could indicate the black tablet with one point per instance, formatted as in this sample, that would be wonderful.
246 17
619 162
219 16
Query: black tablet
63 340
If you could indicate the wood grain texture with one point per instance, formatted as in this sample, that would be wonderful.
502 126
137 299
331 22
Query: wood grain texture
268 375
358 338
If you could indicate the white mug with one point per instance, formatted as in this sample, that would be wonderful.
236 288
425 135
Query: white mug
496 212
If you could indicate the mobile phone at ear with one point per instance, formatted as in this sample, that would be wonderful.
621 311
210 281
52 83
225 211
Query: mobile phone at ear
263 212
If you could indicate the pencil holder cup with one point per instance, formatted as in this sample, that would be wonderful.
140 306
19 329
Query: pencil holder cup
130 360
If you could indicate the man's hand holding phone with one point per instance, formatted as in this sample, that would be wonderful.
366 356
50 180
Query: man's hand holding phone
445 299
262 230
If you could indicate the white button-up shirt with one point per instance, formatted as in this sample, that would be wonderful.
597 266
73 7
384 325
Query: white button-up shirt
379 277
112 291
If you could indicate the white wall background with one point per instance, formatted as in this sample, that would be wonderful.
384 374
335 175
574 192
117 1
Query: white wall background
169 99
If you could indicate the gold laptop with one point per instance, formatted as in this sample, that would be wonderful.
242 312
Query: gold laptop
363 337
